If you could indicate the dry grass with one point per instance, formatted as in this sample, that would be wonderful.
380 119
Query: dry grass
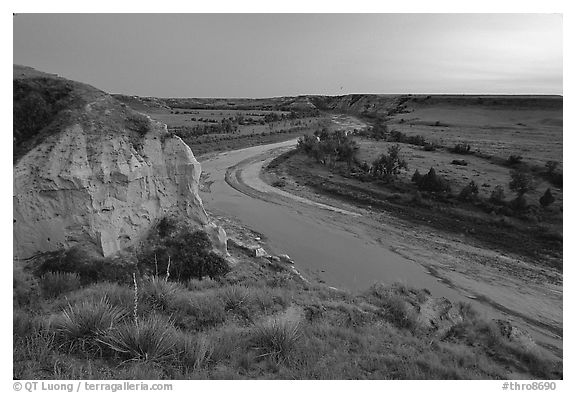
242 330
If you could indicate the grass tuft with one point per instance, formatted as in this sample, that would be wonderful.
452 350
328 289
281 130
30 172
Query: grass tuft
151 340
53 284
276 340
79 327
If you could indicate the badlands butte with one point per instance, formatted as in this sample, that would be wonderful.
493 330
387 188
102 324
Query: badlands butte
310 237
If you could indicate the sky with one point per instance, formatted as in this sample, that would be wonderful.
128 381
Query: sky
268 55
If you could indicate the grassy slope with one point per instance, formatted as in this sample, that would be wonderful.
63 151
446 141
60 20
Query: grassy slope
259 321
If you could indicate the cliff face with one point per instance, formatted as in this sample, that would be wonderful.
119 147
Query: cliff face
104 175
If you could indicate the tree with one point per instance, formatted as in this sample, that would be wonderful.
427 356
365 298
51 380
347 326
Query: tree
521 183
416 177
433 183
388 166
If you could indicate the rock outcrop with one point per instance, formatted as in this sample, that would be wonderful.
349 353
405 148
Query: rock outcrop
101 174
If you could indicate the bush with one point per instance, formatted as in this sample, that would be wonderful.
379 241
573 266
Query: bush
469 192
183 253
328 147
514 159
461 148
279 183
36 103
54 284
416 177
79 327
521 182
138 122
432 182
547 199
388 166
89 266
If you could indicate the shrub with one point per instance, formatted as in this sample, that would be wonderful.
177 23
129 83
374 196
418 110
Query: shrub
184 254
388 166
166 227
378 131
521 182
79 327
514 159
461 148
433 183
469 192
36 103
497 196
279 183
416 177
328 147
138 122
547 199
150 340
89 266
54 284
276 340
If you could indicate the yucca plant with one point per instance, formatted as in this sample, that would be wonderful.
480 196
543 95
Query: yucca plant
234 297
276 339
151 340
79 326
159 293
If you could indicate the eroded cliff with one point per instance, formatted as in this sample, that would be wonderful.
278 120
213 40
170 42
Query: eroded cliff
98 173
